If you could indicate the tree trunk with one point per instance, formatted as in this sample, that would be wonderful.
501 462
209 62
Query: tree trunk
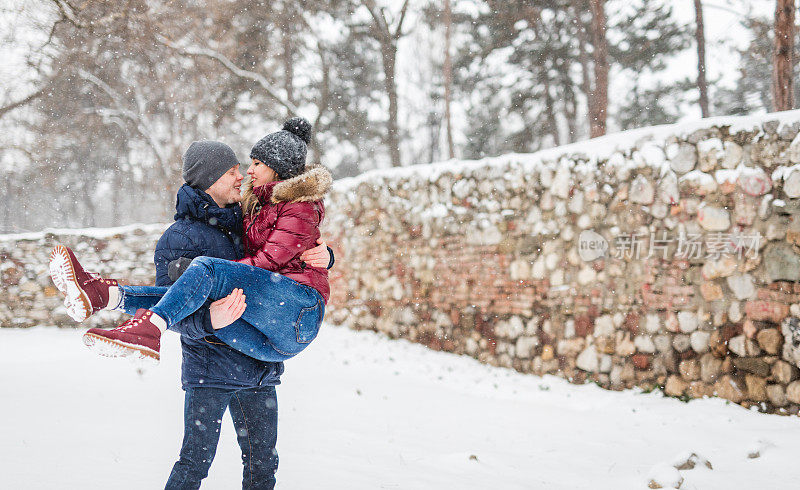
323 103
8 205
570 109
90 218
549 103
389 53
388 36
448 78
287 57
702 85
115 197
550 109
782 57
583 58
598 101
435 128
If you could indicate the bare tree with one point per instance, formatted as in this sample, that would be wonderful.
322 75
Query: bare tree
258 78
115 85
598 97
145 123
387 33
783 56
702 84
288 39
322 101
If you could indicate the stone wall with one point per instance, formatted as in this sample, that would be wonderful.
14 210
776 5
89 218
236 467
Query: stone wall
28 296
696 228
581 262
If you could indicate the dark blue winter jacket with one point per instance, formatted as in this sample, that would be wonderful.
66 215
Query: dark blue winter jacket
203 228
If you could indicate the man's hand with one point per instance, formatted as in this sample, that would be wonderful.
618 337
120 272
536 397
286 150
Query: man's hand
227 310
177 267
317 256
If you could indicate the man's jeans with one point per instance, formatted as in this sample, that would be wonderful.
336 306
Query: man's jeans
281 318
255 417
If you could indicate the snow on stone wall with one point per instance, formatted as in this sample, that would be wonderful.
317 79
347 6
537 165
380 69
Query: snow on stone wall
661 257
657 257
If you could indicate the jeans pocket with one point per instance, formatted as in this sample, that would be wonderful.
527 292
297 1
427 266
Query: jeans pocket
308 322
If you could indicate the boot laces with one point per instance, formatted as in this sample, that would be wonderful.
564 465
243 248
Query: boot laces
93 277
129 324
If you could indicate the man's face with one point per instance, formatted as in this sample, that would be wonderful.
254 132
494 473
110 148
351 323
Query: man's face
227 189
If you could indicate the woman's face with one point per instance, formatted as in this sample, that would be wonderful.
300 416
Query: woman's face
261 174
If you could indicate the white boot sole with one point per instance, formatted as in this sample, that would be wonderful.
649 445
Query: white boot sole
77 303
115 348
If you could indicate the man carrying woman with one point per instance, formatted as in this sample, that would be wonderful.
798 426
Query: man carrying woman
231 349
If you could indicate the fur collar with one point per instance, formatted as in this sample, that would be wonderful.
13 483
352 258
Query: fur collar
311 185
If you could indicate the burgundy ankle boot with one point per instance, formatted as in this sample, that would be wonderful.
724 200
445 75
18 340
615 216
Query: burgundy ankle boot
137 337
86 292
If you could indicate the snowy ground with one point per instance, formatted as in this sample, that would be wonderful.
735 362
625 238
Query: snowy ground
358 411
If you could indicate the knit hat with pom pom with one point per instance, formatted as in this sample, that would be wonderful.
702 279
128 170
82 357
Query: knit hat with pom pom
285 151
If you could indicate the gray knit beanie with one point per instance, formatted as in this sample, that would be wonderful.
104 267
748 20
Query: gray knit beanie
205 162
285 151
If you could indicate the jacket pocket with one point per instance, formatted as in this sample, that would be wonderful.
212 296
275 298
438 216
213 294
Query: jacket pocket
308 322
195 361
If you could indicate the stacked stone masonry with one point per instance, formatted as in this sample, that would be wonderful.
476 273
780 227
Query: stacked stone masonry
490 259
28 297
483 259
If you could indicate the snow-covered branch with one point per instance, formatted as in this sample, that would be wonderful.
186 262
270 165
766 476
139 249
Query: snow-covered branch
68 12
231 66
143 127
10 107
399 31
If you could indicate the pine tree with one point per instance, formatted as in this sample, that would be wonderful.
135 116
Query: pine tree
516 70
648 36
753 91
519 71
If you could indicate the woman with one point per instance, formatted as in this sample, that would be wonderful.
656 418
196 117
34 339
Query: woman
282 204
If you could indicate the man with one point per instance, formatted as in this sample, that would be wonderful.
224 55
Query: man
215 377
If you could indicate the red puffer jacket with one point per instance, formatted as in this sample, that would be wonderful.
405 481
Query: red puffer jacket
287 225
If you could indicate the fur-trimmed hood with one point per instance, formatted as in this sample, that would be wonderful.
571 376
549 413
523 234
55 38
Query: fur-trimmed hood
311 185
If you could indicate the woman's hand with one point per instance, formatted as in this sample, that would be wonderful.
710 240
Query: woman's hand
228 309
317 256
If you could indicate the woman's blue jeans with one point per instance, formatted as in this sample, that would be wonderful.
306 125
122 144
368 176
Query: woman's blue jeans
281 318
